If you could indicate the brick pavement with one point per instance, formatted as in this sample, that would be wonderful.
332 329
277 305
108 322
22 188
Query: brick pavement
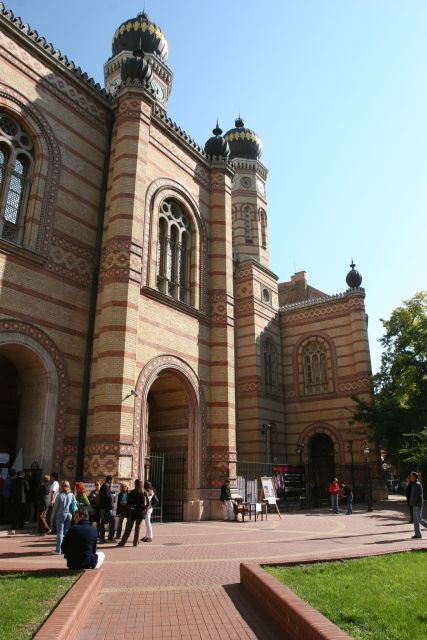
186 583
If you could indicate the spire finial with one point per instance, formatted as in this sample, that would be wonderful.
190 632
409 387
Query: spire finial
217 131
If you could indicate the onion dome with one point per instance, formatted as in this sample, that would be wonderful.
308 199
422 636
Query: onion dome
217 145
353 279
136 69
243 142
137 33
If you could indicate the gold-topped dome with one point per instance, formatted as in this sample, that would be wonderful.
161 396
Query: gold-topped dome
140 33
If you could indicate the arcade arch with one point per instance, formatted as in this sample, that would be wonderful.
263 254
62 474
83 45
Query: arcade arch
169 406
29 388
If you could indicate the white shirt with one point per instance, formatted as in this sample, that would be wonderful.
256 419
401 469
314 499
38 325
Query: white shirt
53 490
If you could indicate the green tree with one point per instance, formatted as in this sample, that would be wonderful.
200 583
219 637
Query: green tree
397 413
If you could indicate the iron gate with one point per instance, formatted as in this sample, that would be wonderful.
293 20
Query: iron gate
167 473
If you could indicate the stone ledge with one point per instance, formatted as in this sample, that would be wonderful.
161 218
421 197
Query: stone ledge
296 618
66 621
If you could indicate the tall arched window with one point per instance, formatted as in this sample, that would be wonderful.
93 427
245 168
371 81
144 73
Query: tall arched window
263 221
174 252
16 165
315 368
247 223
269 366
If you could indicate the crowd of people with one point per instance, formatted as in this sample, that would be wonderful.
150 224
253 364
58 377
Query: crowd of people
78 519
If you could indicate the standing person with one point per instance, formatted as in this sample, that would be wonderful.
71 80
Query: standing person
43 505
122 507
33 479
408 491
63 509
151 498
334 489
137 505
7 485
18 501
79 544
53 492
94 503
348 495
81 496
225 498
106 514
417 503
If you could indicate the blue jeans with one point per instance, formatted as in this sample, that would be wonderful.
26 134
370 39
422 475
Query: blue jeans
334 502
418 519
106 516
63 522
349 506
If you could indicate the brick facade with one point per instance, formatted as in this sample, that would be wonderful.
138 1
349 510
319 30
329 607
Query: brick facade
81 293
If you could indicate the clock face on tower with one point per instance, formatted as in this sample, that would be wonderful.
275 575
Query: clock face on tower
115 85
158 90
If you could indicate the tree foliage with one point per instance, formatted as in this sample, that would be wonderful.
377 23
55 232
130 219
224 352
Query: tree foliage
397 414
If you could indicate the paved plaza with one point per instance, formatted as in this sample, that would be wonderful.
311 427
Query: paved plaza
185 584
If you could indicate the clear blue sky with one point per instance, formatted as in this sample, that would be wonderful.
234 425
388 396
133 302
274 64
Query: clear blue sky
337 90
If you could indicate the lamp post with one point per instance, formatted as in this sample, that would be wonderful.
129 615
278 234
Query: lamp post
366 451
266 429
350 448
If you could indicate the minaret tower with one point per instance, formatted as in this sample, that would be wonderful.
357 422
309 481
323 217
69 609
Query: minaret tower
140 34
249 205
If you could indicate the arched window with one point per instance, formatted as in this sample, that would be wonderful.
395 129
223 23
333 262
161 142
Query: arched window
16 165
263 221
315 368
174 252
269 366
247 223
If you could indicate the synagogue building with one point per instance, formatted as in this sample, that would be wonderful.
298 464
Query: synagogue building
140 322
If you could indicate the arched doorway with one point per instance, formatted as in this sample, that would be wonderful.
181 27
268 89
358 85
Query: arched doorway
10 396
322 466
167 442
32 396
24 406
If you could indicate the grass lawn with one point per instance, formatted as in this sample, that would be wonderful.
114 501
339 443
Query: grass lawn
26 599
377 598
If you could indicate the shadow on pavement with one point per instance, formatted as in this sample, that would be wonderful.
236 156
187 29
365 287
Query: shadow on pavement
27 554
254 617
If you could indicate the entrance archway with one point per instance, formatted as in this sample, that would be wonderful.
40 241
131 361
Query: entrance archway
32 400
322 462
23 406
167 442
170 409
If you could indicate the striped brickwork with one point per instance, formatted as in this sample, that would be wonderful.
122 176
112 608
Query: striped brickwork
197 368
340 322
222 396
45 286
111 426
257 321
249 206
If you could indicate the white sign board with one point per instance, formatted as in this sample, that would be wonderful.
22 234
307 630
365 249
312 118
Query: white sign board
269 493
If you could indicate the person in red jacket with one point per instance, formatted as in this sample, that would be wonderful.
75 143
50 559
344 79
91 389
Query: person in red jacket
334 489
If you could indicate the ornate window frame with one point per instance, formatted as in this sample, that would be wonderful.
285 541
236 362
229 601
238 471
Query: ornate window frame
316 366
16 169
35 236
162 191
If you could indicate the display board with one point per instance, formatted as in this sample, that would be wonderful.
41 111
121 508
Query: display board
268 489
289 481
